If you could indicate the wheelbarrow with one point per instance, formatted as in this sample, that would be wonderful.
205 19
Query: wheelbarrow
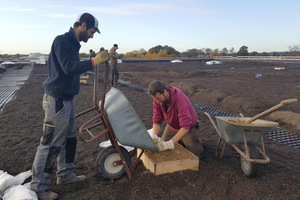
246 136
123 127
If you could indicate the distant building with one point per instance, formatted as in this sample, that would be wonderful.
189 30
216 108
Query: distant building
7 64
38 58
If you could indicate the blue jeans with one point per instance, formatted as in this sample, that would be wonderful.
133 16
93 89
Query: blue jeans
58 142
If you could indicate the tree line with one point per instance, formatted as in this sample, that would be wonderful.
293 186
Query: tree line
168 51
160 51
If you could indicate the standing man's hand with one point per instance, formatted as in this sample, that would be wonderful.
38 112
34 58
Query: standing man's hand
165 145
101 57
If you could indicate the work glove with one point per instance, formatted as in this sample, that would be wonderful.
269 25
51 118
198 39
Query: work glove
101 57
165 145
155 138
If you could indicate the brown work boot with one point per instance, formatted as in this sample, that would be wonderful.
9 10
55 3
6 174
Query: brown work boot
69 178
47 195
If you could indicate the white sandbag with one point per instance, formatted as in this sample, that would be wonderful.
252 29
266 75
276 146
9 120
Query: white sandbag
108 143
19 192
128 148
1 172
6 181
23 176
27 185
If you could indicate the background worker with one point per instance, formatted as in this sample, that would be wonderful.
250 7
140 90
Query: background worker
92 53
170 104
58 141
114 64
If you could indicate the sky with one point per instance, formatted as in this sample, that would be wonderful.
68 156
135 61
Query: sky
29 26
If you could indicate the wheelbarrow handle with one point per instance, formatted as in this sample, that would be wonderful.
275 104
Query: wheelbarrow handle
213 122
282 103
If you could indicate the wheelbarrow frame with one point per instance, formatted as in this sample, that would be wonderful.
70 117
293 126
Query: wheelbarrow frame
254 139
101 119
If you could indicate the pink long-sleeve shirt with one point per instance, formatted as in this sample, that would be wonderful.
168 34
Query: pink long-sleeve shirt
180 113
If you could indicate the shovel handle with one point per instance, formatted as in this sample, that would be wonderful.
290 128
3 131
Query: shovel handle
288 101
282 103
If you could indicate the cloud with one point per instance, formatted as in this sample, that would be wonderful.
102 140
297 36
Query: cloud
56 15
147 8
126 9
17 9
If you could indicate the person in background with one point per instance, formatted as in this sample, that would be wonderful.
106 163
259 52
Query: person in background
58 142
170 104
92 54
114 64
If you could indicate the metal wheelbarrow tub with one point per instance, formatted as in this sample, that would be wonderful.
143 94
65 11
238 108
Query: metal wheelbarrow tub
127 126
244 138
232 129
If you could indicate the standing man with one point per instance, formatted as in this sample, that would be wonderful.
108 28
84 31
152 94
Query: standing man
58 141
170 104
114 64
92 53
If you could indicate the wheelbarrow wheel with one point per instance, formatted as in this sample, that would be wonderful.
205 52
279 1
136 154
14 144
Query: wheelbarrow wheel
108 162
250 169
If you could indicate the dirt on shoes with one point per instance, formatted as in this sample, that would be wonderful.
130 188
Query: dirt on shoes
70 178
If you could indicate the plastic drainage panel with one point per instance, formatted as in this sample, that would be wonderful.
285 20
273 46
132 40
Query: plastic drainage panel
213 111
11 81
284 137
280 135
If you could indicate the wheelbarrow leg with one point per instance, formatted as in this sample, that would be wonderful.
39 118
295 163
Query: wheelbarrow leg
223 149
218 146
137 160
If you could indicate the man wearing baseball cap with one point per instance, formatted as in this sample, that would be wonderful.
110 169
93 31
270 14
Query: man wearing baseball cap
90 21
58 142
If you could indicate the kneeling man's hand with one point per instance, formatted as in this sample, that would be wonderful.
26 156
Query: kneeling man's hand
165 145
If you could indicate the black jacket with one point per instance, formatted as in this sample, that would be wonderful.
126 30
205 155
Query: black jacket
65 67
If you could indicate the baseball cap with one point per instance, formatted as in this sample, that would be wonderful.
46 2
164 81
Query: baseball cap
90 21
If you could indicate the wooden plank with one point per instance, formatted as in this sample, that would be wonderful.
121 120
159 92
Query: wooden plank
170 161
84 77
83 81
